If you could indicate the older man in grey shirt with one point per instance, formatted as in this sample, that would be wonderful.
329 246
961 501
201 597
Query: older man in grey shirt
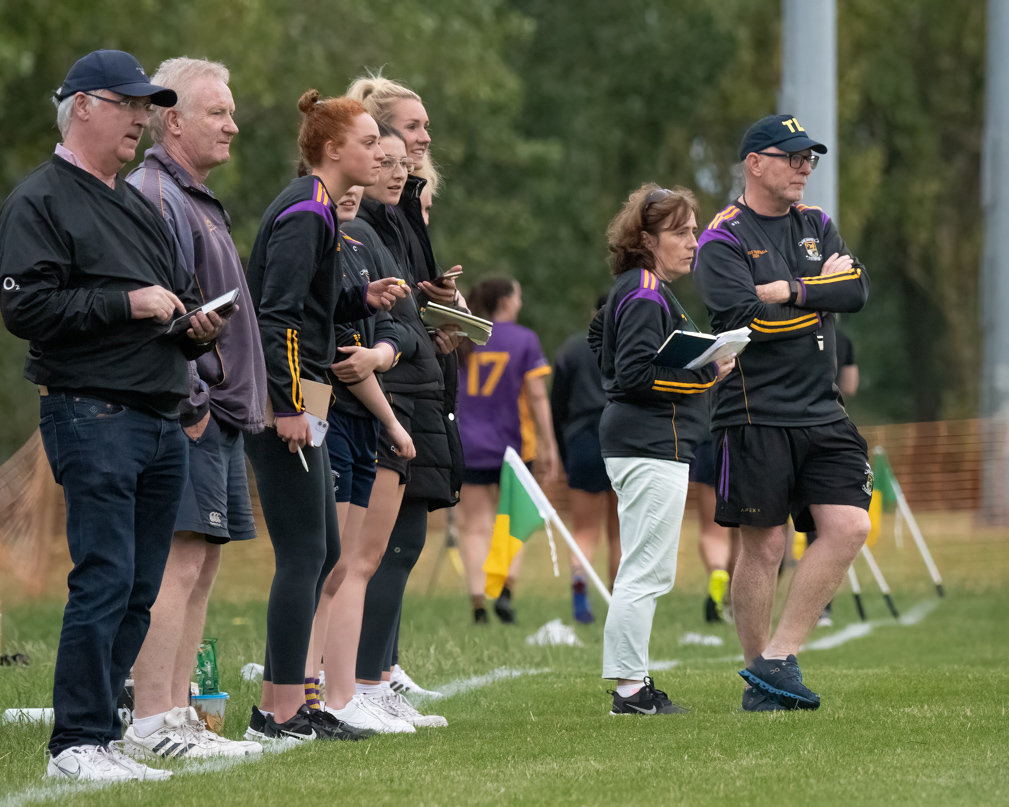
228 398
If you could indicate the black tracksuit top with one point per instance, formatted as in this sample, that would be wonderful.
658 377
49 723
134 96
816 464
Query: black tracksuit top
360 268
786 375
298 290
651 411
71 250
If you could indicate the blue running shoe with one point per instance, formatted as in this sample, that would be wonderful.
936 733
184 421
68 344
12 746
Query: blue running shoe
580 598
782 680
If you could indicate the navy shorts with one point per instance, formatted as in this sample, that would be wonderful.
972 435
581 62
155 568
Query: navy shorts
485 476
702 467
388 457
766 473
216 500
584 463
353 453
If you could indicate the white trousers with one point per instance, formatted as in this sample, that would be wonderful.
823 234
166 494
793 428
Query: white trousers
651 496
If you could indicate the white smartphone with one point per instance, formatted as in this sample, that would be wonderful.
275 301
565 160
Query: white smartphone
319 428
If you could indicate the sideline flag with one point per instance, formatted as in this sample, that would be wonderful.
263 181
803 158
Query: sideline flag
884 494
518 517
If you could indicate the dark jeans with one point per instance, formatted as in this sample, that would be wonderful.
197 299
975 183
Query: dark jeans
122 473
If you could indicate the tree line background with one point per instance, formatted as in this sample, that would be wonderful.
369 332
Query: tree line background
546 114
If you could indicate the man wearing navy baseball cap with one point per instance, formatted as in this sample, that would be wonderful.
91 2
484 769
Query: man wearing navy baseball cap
90 275
785 445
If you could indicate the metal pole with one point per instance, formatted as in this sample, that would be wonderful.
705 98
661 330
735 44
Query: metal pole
995 271
809 87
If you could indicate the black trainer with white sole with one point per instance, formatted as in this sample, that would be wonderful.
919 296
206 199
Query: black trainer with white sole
257 726
307 724
646 701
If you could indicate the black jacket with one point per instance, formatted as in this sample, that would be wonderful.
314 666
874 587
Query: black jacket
71 250
298 290
786 376
416 384
650 411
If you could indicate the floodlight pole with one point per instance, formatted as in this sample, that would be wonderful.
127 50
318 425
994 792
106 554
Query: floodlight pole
809 88
994 287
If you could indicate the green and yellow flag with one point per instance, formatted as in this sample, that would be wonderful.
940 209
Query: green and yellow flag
518 517
884 492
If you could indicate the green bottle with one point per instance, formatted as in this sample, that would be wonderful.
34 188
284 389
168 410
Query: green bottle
206 668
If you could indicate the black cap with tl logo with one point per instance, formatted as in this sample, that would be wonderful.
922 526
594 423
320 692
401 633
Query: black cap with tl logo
779 131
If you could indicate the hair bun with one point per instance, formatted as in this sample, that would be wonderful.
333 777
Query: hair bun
308 100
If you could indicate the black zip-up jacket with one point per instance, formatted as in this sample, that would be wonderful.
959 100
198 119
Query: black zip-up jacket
360 268
298 290
417 368
577 398
651 411
71 251
786 375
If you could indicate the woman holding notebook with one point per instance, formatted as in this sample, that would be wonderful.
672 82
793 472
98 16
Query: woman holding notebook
653 417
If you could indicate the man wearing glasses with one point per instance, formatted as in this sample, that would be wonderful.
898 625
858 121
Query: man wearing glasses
784 444
90 274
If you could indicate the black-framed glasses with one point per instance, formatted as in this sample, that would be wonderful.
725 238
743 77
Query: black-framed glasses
390 162
795 160
132 104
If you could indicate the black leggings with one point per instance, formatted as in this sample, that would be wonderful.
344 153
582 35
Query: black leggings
300 514
383 601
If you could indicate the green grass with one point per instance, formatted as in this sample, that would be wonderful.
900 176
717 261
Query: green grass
911 714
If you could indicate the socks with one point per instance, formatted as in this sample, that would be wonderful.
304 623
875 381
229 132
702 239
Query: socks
312 693
368 689
146 726
626 690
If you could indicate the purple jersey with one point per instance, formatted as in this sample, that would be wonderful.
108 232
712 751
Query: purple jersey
493 411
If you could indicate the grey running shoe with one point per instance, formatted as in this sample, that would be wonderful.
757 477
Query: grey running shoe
782 680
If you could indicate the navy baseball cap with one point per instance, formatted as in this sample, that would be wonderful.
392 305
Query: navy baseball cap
113 70
780 131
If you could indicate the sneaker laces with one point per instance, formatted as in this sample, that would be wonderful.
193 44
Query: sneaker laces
399 706
116 751
650 686
108 759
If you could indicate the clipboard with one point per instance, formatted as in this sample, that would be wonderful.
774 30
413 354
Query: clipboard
316 396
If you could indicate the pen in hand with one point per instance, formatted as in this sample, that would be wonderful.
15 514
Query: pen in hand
301 456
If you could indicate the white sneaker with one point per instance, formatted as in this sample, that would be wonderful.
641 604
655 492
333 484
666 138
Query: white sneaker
217 746
396 704
359 718
375 706
138 769
399 681
87 763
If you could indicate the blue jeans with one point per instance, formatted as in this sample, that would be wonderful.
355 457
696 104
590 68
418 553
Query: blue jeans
122 473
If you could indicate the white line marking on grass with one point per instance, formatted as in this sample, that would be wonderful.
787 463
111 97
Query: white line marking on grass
460 686
857 630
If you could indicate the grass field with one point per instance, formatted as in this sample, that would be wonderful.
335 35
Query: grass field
912 713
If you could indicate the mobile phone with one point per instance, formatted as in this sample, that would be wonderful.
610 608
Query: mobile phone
319 428
451 274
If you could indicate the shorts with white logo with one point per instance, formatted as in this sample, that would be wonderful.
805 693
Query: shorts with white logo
216 500
353 456
767 473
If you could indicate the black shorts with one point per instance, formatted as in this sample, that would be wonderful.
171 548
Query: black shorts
353 453
584 466
216 500
402 406
702 466
766 473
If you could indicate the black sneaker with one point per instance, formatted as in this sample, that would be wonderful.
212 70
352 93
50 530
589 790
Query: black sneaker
782 680
503 607
646 701
480 616
306 725
256 732
756 700
338 730
711 610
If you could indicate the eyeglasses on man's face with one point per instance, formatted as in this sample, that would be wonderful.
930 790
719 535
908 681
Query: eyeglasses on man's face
391 162
795 160
132 104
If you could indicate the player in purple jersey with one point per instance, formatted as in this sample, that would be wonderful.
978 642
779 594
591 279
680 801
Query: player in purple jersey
502 403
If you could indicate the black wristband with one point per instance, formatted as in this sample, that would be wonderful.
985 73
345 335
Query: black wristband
793 291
